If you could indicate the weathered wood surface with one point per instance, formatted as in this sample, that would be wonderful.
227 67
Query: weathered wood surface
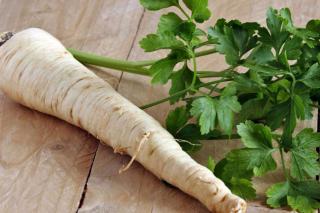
44 162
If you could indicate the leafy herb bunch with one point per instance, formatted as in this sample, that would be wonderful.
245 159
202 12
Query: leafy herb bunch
280 85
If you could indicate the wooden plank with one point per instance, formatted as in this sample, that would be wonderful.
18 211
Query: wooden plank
137 190
44 162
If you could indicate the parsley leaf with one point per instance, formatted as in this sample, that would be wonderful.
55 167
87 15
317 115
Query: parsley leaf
278 35
234 39
158 4
302 196
176 119
255 135
261 54
204 109
166 40
169 23
226 107
186 31
257 156
211 164
162 69
305 34
304 157
312 77
277 194
255 109
242 187
199 8
181 80
303 204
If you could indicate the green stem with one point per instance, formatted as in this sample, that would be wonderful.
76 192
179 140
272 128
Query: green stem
127 66
177 94
184 12
205 52
123 65
209 74
194 79
136 67
283 164
203 44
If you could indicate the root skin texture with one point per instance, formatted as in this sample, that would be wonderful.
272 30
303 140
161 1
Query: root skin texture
37 71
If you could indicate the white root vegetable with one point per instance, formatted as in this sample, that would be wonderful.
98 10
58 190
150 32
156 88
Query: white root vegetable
37 71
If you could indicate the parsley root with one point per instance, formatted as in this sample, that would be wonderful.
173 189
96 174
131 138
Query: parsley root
38 72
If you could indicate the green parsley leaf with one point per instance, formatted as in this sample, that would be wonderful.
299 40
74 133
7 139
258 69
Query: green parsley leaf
181 80
239 184
313 25
242 187
248 160
204 109
189 146
277 194
192 132
277 114
312 77
211 164
166 40
292 48
158 4
226 107
169 23
256 157
255 109
199 8
290 122
262 54
176 119
186 31
162 69
278 35
304 156
303 204
302 196
304 34
234 39
255 135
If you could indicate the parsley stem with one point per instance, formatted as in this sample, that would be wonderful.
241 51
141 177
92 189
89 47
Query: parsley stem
136 67
129 66
205 52
194 79
283 164
177 94
209 74
203 44
184 12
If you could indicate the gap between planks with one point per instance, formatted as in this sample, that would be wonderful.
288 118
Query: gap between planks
84 191
132 45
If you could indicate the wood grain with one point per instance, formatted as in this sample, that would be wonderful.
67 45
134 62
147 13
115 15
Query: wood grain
44 162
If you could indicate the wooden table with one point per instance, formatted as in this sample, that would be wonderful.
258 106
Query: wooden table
47 165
